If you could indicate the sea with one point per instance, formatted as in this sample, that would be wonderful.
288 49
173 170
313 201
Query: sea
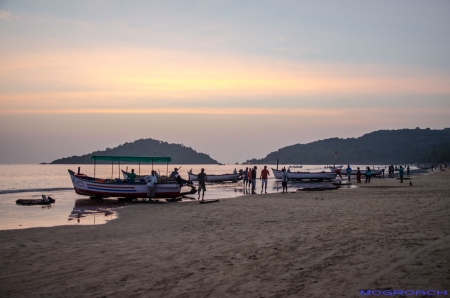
30 181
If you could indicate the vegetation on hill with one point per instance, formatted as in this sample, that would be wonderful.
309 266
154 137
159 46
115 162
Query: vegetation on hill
379 147
145 147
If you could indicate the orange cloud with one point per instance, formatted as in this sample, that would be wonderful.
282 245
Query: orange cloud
127 78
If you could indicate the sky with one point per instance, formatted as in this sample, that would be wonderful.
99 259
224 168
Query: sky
233 79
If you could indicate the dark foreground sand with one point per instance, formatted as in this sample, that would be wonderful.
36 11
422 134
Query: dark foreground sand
305 244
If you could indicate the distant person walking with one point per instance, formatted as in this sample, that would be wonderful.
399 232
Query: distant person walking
349 172
407 170
263 177
202 177
358 176
401 172
368 174
254 180
284 180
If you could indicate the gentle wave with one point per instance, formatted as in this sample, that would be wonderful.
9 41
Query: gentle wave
7 191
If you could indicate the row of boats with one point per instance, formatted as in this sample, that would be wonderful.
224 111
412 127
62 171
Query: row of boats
166 187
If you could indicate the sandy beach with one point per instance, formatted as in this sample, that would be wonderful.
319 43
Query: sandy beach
382 235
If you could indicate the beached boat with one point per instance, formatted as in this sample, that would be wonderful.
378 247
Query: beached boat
217 178
363 172
305 175
334 168
137 188
44 201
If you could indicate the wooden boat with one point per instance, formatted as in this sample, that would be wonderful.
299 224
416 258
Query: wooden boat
44 201
363 172
217 178
334 168
96 187
305 175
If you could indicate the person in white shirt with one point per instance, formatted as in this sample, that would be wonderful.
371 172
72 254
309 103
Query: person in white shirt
151 180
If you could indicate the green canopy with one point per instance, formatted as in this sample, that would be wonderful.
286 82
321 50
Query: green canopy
149 159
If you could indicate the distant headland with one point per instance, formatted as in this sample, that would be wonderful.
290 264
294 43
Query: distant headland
378 147
146 147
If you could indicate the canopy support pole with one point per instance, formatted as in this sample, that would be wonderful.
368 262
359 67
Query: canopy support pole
139 168
95 163
112 169
119 167
167 171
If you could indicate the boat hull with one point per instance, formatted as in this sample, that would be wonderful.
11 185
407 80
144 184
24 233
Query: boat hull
217 178
305 175
363 172
88 186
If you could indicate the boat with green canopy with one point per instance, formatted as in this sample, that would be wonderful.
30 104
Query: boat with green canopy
126 188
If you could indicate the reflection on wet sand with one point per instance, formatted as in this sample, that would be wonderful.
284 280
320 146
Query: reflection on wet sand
87 211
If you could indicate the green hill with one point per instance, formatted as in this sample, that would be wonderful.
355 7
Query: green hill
379 147
145 147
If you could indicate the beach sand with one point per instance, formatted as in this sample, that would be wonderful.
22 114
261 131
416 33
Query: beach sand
385 235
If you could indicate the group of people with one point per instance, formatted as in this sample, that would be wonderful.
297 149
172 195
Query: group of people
368 174
250 176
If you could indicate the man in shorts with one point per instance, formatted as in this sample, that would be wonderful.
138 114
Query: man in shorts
201 177
263 177
284 180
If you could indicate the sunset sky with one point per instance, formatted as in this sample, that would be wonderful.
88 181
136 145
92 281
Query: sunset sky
233 79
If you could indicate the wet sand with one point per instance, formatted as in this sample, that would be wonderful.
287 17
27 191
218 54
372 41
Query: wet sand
385 235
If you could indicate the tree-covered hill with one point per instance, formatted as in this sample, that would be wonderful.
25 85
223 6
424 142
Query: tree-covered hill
146 147
379 147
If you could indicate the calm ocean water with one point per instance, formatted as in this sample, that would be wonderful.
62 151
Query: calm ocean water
31 181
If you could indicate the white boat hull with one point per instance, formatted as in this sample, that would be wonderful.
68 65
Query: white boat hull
88 186
216 178
305 175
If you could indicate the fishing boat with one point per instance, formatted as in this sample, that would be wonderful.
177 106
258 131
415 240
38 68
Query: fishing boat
217 178
44 201
363 172
334 168
125 188
296 167
305 175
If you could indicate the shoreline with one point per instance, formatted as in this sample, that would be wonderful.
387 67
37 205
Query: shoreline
317 244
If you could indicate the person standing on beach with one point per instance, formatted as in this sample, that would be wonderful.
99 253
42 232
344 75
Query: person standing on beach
263 177
249 176
151 180
245 177
407 170
284 180
358 176
368 174
202 177
349 172
254 180
401 172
